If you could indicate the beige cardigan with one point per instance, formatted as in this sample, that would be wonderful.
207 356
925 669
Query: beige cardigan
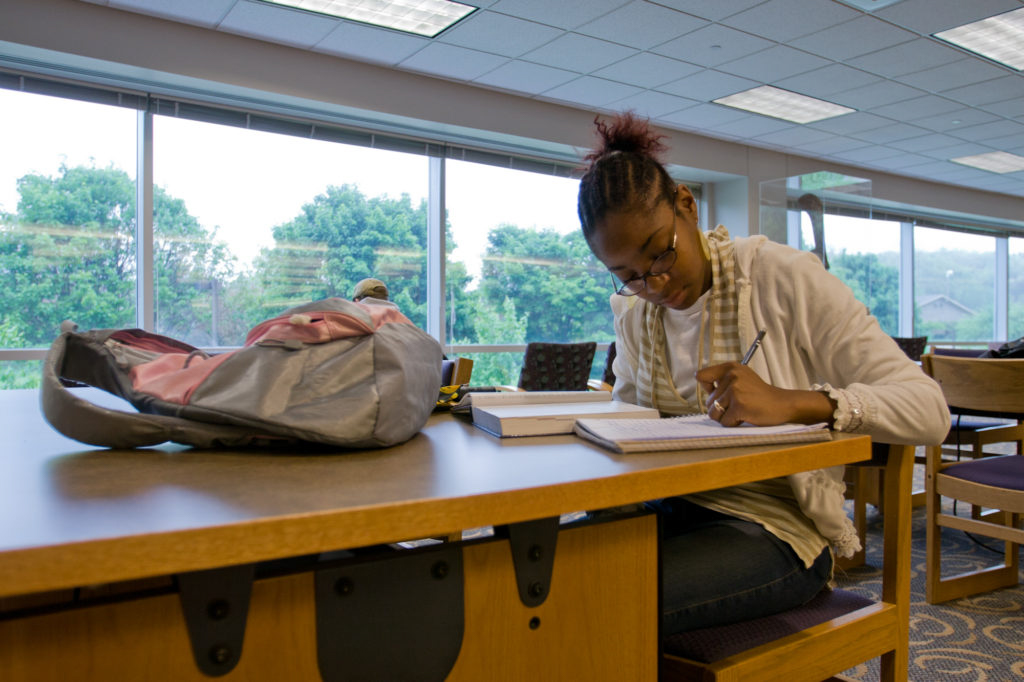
832 344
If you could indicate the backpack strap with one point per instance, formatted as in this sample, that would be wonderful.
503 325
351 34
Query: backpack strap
82 358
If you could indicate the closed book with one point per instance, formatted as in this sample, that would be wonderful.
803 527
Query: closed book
690 433
545 419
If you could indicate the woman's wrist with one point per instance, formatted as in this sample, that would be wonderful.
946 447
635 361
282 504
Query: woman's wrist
810 407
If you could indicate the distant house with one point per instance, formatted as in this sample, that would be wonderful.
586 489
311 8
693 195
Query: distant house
942 308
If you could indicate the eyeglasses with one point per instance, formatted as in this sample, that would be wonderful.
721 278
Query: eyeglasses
662 264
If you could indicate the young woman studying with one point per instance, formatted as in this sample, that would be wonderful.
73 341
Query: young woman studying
688 305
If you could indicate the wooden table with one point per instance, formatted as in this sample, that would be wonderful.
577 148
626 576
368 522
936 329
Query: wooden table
78 520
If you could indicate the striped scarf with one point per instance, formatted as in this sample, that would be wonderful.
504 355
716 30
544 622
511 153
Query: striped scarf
655 387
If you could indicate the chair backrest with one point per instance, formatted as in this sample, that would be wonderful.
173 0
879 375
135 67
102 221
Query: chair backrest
913 346
456 371
978 384
557 366
608 376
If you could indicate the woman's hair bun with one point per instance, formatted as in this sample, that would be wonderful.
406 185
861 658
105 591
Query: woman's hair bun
629 134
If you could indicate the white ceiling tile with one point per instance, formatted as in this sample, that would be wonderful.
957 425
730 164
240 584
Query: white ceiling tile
752 125
712 45
958 118
996 90
719 9
371 44
1011 108
647 70
827 80
526 77
957 150
280 24
953 75
566 14
876 94
641 25
794 135
773 64
831 145
919 107
899 60
783 20
853 38
988 131
868 154
590 91
925 143
450 61
708 85
851 123
890 133
197 12
578 53
498 33
930 16
703 116
653 104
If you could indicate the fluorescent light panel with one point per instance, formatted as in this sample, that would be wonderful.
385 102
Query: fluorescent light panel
422 17
778 103
996 162
1000 38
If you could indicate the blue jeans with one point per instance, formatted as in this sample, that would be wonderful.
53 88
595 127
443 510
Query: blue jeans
717 569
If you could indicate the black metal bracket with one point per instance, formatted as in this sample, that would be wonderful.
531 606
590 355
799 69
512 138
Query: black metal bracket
396 617
533 556
215 604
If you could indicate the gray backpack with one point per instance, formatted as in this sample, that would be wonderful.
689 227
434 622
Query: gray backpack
354 375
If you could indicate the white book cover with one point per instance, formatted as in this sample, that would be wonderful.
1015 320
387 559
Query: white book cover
550 418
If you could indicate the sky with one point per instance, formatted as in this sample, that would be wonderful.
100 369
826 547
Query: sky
244 182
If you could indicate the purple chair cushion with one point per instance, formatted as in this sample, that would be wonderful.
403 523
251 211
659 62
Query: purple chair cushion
1005 471
715 643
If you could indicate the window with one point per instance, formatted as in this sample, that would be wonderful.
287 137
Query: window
520 269
248 223
67 222
1015 322
954 285
865 255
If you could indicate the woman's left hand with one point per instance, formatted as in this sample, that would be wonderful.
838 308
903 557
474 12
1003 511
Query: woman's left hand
736 394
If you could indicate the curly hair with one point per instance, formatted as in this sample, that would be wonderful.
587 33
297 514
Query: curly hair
624 172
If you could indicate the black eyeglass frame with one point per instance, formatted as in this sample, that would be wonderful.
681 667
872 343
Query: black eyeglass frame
636 285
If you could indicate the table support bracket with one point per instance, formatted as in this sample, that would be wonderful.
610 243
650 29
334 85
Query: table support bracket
215 604
533 556
396 617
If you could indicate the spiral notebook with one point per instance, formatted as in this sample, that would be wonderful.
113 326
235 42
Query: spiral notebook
690 433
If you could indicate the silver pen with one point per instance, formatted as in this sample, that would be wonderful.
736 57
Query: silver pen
753 347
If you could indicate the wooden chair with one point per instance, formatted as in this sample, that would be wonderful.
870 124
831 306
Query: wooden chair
557 366
987 387
834 632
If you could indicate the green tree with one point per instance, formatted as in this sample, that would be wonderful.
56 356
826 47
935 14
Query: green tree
342 237
554 280
875 284
69 253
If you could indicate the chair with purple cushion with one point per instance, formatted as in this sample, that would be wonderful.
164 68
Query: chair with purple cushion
987 387
557 366
835 631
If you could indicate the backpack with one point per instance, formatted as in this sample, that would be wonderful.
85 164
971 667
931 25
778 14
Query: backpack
333 372
1010 349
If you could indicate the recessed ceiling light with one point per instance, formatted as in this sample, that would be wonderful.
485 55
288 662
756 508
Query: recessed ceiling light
997 162
783 104
1000 38
422 17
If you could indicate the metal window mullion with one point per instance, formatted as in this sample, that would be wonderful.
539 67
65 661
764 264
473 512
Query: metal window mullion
906 280
1000 306
436 250
144 281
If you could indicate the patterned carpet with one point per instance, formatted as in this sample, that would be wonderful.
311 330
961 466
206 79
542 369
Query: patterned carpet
977 639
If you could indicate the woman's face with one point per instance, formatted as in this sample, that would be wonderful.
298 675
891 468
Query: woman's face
629 242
